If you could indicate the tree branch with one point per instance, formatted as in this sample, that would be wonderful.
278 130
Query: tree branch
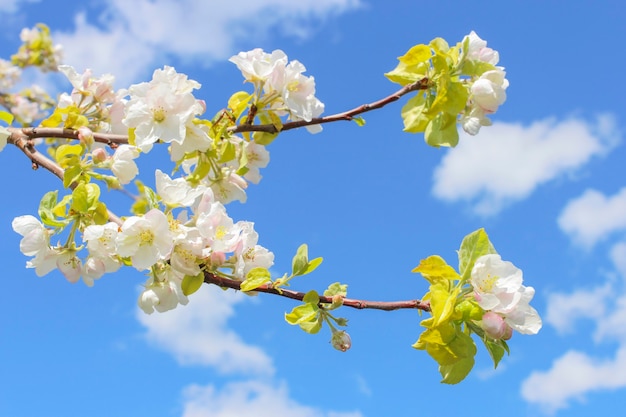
22 139
296 295
422 84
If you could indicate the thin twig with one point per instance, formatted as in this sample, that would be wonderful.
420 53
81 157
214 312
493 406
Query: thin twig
422 84
21 139
297 295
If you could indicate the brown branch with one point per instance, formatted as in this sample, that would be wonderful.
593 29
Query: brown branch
59 132
297 295
22 139
422 84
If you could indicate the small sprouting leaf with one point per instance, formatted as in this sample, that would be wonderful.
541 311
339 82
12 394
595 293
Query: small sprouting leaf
312 265
473 246
300 260
495 349
192 284
336 288
359 121
255 278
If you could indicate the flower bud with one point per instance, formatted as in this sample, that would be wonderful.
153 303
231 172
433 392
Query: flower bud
495 327
85 135
341 340
99 155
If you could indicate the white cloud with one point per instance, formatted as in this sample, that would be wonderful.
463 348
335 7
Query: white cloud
507 161
593 216
198 334
565 310
130 36
571 377
11 6
249 398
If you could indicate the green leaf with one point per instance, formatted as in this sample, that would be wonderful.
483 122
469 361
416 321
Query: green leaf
312 327
6 117
302 313
192 284
359 121
417 54
47 203
495 349
72 174
300 260
311 297
413 116
473 246
434 268
264 138
456 372
79 199
441 131
336 288
312 265
255 278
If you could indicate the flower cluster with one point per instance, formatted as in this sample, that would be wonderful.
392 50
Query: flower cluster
169 248
499 291
286 90
487 91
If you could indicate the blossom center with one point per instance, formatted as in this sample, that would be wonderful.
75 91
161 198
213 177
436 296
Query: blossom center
158 114
146 237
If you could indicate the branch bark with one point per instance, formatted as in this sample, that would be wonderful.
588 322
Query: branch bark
297 295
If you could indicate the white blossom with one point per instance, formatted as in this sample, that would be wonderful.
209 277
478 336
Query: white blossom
146 239
123 167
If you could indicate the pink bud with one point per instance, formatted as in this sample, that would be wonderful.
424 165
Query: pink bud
495 327
99 155
85 135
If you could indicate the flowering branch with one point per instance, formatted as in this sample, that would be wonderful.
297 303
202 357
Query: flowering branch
421 84
22 138
297 295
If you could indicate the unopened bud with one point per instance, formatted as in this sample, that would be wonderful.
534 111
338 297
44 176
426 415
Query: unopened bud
495 327
99 155
341 340
86 136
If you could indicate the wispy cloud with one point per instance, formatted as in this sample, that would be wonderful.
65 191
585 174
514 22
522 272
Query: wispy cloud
249 398
571 377
564 311
576 373
198 334
507 162
593 216
11 6
129 37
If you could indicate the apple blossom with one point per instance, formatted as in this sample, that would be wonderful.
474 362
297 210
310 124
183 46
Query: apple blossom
498 288
478 49
256 65
177 192
488 92
162 293
123 166
146 239
161 108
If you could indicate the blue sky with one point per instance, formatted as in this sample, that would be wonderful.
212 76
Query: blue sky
546 181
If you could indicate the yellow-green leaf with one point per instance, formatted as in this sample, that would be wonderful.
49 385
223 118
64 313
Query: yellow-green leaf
255 278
